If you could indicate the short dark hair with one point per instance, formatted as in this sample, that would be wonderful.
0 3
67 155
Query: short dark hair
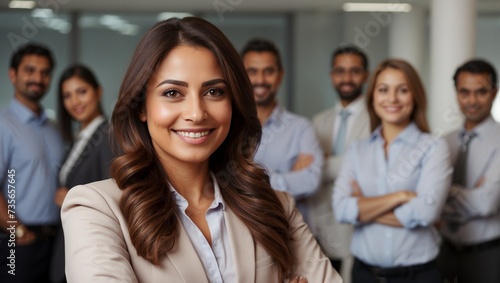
31 49
351 49
262 45
477 66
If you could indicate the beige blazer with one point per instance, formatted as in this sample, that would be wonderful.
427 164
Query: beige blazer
334 237
99 249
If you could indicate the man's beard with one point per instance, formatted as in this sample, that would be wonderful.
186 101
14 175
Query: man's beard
266 101
32 95
349 96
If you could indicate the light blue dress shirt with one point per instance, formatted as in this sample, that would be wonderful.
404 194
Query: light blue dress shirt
476 208
416 162
216 259
284 136
31 146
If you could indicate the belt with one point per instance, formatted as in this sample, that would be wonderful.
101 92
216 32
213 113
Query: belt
400 271
473 248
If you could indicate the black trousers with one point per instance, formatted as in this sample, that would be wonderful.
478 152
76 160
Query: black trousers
31 262
361 274
470 266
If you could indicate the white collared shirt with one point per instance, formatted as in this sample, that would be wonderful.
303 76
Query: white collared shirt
78 147
217 260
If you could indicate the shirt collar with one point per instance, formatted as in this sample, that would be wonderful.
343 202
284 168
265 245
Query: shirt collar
91 128
25 114
482 129
355 107
182 202
275 115
409 135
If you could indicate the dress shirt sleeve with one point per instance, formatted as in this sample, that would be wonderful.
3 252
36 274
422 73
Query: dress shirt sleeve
94 243
344 204
306 181
432 188
482 201
4 153
310 261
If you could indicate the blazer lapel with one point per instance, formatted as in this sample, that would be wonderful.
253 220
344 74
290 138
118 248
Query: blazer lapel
326 132
186 260
242 247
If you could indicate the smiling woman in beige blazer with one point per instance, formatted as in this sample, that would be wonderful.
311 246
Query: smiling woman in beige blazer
186 202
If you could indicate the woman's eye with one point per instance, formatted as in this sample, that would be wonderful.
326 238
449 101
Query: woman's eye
215 92
171 93
82 91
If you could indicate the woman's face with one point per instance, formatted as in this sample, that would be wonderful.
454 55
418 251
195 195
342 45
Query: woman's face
188 106
81 100
392 98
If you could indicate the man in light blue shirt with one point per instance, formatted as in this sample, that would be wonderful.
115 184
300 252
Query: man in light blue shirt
289 148
471 218
30 157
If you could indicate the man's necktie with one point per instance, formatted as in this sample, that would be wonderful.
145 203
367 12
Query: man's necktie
460 169
338 146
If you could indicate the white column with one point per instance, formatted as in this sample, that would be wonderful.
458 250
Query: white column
407 38
453 41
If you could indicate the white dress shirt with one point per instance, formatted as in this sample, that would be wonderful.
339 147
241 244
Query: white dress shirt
216 259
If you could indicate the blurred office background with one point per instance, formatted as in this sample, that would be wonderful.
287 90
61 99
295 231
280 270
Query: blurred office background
435 36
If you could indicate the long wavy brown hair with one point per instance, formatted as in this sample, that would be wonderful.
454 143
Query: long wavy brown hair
414 85
147 202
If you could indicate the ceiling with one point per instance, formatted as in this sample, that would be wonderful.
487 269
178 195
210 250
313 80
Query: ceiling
241 6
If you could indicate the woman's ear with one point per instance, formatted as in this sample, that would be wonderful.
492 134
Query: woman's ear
142 115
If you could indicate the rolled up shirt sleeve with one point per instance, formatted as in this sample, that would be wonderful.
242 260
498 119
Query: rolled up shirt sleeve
432 187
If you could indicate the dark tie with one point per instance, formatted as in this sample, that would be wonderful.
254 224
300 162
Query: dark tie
338 146
460 169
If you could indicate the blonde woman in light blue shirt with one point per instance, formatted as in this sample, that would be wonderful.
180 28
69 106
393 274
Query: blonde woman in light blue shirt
393 185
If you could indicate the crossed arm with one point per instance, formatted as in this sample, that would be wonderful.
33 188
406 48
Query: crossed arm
420 206
380 209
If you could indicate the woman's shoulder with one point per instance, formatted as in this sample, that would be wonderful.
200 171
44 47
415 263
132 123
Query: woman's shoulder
287 201
100 193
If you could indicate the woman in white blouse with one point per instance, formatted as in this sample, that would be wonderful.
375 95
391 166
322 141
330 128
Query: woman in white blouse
392 186
90 152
